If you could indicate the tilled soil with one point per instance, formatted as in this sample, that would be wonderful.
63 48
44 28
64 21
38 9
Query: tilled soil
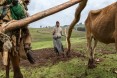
47 56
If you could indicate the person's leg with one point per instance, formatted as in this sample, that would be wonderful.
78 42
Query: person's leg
60 46
55 47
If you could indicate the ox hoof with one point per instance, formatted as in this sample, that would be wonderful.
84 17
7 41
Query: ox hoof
91 63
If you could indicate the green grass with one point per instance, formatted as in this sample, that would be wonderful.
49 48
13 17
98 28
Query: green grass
76 67
49 44
68 69
42 38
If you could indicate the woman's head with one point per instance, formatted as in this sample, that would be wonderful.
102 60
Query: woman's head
27 2
57 23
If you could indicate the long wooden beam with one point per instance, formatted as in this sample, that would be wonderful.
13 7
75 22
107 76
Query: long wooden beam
40 15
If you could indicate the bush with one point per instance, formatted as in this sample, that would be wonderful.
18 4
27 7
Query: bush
81 29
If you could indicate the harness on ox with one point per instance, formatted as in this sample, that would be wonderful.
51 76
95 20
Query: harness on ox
17 41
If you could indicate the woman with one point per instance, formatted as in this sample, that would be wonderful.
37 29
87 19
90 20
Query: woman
57 34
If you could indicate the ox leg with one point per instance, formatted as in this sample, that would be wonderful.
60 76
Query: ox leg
15 62
8 68
91 62
94 47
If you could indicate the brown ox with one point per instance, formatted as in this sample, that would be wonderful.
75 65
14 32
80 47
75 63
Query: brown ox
101 25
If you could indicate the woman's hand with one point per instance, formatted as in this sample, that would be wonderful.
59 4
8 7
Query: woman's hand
54 32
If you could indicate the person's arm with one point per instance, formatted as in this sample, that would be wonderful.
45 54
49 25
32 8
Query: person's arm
62 32
53 31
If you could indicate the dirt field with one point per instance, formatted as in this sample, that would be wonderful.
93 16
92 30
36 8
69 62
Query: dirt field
47 56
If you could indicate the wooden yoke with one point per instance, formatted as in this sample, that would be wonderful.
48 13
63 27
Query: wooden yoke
79 9
38 16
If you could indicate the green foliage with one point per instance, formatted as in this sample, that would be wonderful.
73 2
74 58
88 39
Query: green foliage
81 28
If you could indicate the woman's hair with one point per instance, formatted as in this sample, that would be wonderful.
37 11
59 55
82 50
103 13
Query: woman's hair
57 21
27 1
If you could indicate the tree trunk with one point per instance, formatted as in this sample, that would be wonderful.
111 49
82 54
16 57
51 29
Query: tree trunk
38 16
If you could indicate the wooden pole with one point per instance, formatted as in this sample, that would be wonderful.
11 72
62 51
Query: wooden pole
38 16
